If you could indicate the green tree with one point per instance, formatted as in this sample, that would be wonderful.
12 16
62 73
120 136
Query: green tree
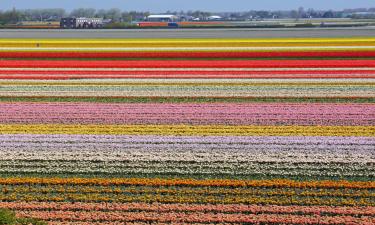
8 217
83 12
114 14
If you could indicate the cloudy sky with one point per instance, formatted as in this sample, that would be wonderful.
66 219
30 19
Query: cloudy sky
209 5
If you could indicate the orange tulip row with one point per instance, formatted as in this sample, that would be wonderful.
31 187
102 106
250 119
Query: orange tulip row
192 182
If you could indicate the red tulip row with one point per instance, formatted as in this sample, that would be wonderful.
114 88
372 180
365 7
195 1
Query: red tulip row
192 54
195 72
187 64
188 74
72 73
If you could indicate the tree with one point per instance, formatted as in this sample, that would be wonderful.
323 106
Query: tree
311 13
10 16
14 16
126 17
297 14
8 217
201 15
294 14
83 12
263 14
114 14
43 14
301 12
328 14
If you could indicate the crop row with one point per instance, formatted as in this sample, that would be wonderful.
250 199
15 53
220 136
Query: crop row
157 207
241 144
199 82
233 114
232 157
189 48
239 157
207 198
199 86
12 190
190 91
101 73
193 217
320 41
240 170
233 153
192 71
190 54
186 130
186 42
170 99
216 140
191 182
187 83
169 198
188 64
58 222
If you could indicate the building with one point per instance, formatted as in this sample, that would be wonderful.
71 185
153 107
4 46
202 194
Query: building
161 18
214 18
85 23
363 15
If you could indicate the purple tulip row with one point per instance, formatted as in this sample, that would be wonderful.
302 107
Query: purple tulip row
227 113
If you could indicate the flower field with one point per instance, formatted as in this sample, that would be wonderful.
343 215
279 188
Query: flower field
188 131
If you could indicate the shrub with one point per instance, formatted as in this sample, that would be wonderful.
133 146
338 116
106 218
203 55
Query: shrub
8 217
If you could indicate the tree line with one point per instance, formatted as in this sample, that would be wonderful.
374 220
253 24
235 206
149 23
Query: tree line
44 15
116 15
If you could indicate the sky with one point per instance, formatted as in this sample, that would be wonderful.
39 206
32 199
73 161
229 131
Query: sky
206 5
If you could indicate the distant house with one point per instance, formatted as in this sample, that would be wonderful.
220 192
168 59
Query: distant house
107 21
161 18
363 15
214 18
186 18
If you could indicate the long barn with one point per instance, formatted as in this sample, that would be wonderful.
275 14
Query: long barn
82 22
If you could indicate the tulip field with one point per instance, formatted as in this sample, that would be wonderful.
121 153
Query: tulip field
188 131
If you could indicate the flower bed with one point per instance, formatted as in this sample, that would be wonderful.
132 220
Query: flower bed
188 131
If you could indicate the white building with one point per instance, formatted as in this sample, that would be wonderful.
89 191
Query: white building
214 18
162 18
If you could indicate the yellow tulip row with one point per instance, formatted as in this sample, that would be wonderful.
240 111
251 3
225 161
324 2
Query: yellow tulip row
188 130
112 43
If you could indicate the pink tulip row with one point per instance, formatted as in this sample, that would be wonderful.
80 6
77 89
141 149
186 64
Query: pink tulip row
192 217
134 223
227 113
158 207
179 119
